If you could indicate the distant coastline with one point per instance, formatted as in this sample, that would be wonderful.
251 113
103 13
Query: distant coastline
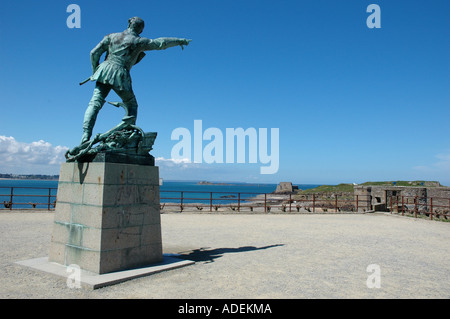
213 183
225 184
29 177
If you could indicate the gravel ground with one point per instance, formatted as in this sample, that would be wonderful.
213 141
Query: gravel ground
255 256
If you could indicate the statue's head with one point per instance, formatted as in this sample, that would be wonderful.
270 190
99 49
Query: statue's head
136 24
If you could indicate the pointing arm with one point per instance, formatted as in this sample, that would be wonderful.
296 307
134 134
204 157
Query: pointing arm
162 43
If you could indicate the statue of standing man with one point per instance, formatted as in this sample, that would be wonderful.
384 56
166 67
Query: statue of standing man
123 50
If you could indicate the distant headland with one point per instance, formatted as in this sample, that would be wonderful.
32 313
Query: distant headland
213 183
225 184
30 176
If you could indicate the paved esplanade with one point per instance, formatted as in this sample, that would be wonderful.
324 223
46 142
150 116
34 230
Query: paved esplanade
255 256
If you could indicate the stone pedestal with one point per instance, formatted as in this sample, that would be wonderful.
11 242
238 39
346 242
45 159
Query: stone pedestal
107 217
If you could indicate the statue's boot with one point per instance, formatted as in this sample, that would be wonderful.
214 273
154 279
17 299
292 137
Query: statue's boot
90 116
131 107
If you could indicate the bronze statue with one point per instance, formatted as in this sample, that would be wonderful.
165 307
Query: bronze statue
123 51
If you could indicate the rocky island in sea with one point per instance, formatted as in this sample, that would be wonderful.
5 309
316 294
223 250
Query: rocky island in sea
213 183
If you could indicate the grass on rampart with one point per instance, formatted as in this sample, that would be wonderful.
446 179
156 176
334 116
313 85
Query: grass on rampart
341 188
348 188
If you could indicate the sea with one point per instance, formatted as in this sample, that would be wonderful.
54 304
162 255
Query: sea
41 194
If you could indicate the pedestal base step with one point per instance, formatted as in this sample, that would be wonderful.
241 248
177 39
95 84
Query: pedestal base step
94 281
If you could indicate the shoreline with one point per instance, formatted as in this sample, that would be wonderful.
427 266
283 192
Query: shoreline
28 179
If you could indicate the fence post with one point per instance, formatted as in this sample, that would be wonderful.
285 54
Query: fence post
239 202
403 207
357 202
386 198
415 207
49 194
314 203
290 202
265 203
396 199
210 202
11 200
181 200
431 209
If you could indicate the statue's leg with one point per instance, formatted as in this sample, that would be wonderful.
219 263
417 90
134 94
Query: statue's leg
129 99
101 91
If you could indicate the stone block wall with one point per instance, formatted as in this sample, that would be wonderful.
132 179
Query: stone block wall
107 217
380 196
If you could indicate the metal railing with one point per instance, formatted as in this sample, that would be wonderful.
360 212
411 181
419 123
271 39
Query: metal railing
266 202
45 198
27 198
416 205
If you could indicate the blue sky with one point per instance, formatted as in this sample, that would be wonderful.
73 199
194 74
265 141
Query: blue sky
352 104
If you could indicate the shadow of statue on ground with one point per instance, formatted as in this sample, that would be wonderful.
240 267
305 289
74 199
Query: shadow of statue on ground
206 255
